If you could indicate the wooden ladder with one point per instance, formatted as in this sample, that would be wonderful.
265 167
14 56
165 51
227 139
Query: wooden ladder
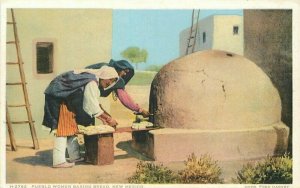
22 83
193 32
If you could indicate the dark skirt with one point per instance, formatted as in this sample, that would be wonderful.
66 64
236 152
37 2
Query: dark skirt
74 103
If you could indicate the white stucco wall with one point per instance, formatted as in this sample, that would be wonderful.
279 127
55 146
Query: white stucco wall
219 34
206 25
80 36
183 39
223 34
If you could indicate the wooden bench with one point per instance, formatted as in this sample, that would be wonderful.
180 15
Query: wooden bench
100 147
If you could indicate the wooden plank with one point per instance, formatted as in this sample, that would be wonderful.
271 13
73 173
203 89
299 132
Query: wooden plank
91 148
99 149
129 129
13 63
20 122
15 83
11 42
122 130
105 149
20 105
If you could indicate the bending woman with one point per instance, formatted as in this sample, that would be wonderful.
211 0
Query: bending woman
125 71
71 99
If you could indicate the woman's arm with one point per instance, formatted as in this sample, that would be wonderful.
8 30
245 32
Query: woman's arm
127 101
91 104
90 99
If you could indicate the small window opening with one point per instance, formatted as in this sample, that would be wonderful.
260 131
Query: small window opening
235 30
204 37
44 57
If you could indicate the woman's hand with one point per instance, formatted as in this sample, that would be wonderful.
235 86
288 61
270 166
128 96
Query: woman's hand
108 120
112 122
103 121
145 113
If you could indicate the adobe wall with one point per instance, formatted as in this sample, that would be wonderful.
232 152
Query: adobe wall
268 43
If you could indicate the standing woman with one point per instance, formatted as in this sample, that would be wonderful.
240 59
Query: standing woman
71 99
125 71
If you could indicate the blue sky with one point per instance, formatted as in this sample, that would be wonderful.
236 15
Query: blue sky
157 31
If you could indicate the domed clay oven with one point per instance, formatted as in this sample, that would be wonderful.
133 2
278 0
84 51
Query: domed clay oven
214 90
218 103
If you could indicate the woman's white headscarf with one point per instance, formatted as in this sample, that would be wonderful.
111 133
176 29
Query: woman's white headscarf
105 72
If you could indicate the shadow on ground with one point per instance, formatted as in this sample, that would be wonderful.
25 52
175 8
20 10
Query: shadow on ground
130 152
44 158
41 158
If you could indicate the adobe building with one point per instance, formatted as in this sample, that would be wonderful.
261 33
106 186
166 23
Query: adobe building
69 38
268 43
217 32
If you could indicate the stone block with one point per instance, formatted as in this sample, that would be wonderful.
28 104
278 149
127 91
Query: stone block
169 144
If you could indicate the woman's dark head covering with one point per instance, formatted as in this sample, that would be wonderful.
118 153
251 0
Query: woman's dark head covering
122 65
118 65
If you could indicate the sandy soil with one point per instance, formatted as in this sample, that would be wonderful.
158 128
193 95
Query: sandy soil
31 166
34 166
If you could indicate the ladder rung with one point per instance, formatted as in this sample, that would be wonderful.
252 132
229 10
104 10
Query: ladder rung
12 63
10 42
20 105
20 122
11 22
16 83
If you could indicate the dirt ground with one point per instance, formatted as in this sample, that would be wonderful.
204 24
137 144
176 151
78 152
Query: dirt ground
35 166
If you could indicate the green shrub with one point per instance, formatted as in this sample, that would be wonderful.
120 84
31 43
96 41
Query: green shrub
200 170
272 170
151 173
